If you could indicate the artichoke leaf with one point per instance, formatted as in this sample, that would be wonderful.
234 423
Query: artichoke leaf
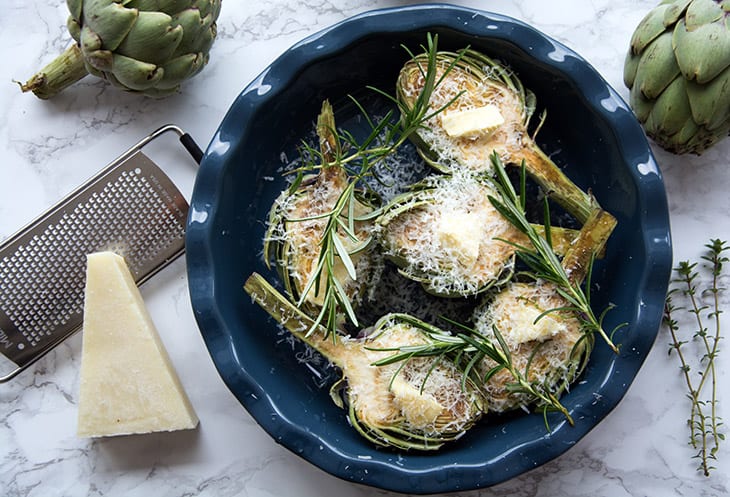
630 65
198 36
179 69
642 107
710 103
671 110
657 67
674 11
689 134
701 12
110 21
702 53
74 28
75 7
152 39
648 30
99 62
135 74
167 6
89 41
207 8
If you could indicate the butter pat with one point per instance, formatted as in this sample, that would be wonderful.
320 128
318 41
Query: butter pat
522 327
472 122
460 232
419 409
127 384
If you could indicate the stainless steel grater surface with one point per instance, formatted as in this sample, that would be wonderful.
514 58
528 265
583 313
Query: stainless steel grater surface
131 208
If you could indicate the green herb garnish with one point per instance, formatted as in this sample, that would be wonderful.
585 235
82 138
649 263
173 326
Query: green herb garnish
702 298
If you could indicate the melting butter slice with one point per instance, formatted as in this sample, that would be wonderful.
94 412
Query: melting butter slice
419 409
472 122
127 384
461 232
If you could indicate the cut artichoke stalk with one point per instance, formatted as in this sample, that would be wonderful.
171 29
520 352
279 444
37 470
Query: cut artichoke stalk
447 235
474 82
678 72
418 405
146 46
299 219
545 336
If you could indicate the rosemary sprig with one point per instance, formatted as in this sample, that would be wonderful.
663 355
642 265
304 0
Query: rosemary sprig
541 259
340 149
467 348
704 422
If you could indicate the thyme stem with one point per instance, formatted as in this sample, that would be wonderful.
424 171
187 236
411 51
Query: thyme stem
705 428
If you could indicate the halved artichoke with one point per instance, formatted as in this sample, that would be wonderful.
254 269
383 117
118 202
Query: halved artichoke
419 405
296 225
485 109
299 218
447 235
539 325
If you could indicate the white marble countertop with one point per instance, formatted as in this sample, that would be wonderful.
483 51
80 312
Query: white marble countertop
47 148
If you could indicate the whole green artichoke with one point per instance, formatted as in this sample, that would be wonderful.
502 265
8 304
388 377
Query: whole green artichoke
678 71
146 46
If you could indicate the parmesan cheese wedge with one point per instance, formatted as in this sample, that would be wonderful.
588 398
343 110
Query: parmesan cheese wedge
472 122
127 383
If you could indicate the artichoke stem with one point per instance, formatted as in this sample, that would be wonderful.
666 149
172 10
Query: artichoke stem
557 185
62 72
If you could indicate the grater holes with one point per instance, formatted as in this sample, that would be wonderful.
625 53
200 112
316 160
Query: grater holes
43 280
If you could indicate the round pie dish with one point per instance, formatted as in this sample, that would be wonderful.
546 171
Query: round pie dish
589 131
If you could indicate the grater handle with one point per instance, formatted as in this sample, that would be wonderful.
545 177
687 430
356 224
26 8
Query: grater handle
185 139
192 147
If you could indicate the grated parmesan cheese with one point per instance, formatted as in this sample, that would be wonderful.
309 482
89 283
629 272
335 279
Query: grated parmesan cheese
549 347
460 92
447 236
424 398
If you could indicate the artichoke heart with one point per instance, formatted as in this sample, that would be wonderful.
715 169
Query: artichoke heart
417 406
145 46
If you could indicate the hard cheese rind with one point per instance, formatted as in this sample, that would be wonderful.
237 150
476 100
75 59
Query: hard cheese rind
128 384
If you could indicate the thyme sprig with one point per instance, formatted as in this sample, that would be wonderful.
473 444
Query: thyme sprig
358 158
466 348
542 261
703 304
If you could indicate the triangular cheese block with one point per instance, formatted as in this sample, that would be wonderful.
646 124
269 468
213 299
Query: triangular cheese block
127 384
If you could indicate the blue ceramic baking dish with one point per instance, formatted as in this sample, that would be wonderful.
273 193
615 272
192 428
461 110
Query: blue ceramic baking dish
589 131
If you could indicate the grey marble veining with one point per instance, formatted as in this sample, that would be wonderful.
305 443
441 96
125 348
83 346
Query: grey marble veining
48 148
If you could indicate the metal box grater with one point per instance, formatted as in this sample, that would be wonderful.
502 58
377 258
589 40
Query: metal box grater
131 207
